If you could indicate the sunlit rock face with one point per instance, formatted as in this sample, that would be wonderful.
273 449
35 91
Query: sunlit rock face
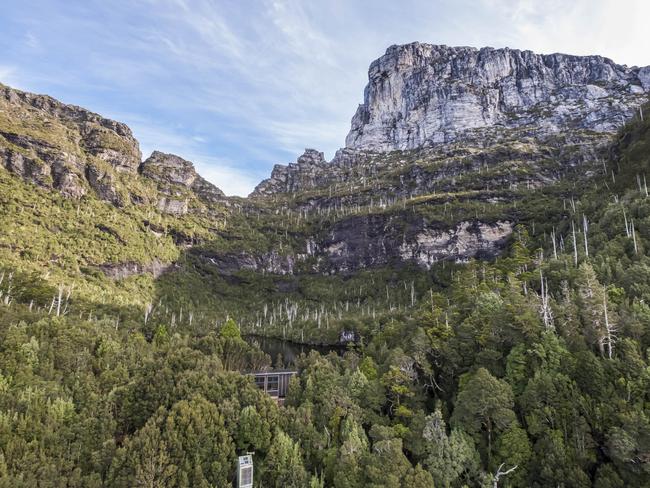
174 177
477 128
309 170
421 95
106 139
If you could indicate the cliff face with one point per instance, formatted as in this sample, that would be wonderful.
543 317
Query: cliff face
108 140
77 151
175 177
461 128
422 94
310 170
64 146
451 150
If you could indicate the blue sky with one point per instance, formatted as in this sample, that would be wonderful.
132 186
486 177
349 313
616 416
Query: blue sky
239 85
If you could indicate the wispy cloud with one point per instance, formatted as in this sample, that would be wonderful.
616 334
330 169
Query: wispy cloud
239 86
8 75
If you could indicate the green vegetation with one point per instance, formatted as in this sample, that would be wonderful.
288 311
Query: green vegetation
532 369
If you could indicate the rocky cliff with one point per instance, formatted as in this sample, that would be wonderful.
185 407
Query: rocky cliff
451 150
69 148
422 94
108 140
457 128
175 177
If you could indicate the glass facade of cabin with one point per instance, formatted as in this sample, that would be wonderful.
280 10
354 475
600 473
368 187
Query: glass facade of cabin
274 383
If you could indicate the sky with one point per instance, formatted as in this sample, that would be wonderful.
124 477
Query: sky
237 86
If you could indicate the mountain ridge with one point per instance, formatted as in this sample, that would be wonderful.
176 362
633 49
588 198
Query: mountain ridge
484 302
410 66
455 200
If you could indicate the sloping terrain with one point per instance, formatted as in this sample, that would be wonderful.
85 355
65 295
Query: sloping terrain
97 218
482 237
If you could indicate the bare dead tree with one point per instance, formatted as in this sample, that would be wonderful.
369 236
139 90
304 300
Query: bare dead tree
554 244
59 300
500 473
575 244
610 330
545 306
147 312
585 228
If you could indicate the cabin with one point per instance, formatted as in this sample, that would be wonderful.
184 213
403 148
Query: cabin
274 383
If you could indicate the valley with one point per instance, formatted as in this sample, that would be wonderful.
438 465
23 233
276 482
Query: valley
481 241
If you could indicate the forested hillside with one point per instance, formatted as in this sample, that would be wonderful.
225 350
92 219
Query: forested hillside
498 293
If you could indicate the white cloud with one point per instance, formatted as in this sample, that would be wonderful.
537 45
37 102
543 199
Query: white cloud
230 179
8 76
32 41
611 28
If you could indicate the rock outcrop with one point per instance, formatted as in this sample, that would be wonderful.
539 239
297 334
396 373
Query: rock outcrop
459 128
422 94
169 169
125 270
380 240
102 181
436 100
174 177
64 146
310 170
106 139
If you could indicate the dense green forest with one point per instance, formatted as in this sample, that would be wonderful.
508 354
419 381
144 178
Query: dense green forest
529 370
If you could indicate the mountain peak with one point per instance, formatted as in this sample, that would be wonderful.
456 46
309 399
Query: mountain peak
422 94
170 170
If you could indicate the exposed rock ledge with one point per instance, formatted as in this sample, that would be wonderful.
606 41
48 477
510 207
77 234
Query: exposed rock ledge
466 240
124 270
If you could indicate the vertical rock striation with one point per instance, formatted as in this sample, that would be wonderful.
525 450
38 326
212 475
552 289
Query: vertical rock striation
421 94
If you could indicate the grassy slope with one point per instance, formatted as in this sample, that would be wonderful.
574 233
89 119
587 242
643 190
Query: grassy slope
65 241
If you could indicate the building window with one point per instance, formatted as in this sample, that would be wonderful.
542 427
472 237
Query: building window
273 385
246 477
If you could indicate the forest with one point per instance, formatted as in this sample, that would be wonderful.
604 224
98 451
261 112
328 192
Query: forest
530 370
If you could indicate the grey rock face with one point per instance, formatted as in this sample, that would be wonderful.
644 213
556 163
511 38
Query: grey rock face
102 182
309 170
173 206
172 173
206 190
369 241
124 270
42 163
31 169
169 169
421 94
466 240
107 139
270 262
